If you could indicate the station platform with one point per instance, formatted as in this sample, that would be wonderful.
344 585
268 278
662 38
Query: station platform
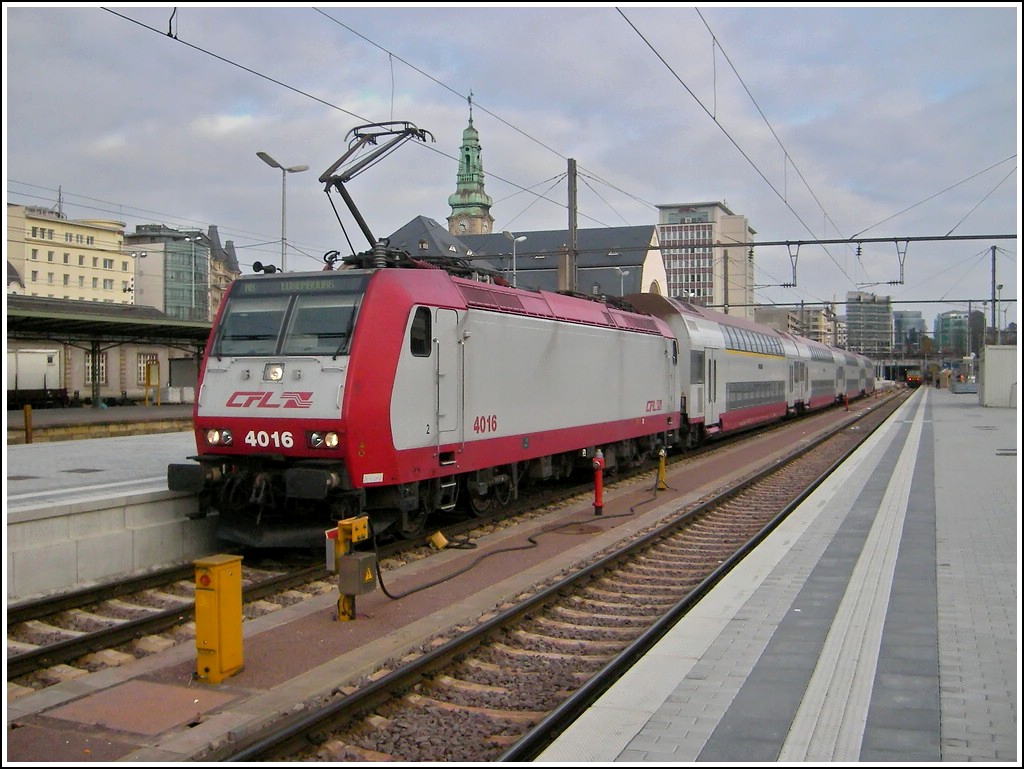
879 623
49 425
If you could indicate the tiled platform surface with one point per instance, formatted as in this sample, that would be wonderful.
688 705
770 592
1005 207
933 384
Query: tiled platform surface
878 624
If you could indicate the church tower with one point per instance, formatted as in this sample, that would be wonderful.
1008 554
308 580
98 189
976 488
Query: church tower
471 206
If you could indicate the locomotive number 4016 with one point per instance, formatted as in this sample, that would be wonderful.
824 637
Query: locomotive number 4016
263 439
486 424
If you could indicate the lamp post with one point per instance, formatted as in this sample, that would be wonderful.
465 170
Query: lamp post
999 331
134 289
622 279
192 306
514 240
284 175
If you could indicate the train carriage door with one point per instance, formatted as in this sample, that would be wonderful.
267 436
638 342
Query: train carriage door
449 374
792 391
695 393
714 378
798 375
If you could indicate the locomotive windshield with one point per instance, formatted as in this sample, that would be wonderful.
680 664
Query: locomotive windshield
306 315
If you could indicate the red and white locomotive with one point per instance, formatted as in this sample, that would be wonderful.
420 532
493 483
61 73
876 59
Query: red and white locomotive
393 392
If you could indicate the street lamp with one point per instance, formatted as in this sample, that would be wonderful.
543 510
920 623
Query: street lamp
192 307
622 279
134 289
514 240
284 174
999 331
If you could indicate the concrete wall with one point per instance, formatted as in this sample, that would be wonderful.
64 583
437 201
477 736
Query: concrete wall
63 548
997 376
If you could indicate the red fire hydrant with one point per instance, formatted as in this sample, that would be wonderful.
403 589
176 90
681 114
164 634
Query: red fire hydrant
598 482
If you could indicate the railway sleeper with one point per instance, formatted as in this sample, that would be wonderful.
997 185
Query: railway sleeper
458 684
610 608
578 628
618 598
528 717
512 651
569 644
339 750
489 668
579 617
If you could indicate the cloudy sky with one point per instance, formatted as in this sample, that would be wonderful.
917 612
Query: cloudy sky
834 122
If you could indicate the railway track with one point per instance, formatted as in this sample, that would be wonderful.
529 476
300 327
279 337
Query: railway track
501 689
123 621
72 634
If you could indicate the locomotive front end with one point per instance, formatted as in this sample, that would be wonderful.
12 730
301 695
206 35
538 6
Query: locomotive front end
268 416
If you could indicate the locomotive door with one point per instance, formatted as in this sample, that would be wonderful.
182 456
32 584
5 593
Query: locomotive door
449 375
714 378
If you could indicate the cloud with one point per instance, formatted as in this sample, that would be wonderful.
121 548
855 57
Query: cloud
812 122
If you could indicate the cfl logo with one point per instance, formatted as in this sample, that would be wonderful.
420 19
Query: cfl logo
242 399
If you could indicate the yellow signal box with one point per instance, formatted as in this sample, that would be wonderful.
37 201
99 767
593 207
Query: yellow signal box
218 617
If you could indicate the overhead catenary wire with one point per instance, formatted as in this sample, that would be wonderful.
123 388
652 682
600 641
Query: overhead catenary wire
391 54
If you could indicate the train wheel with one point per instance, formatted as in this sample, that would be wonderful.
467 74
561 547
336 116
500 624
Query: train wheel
413 523
504 495
480 504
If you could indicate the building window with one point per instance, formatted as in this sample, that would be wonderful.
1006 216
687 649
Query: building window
102 365
67 237
147 360
95 261
95 282
108 264
67 279
81 281
78 238
49 256
108 284
81 260
67 258
124 266
90 240
35 275
35 254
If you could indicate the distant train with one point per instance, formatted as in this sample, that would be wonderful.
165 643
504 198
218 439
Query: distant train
404 390
913 376
35 378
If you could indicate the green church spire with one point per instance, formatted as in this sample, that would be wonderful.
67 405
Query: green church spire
471 206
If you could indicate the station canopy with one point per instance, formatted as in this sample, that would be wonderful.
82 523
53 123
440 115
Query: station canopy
68 321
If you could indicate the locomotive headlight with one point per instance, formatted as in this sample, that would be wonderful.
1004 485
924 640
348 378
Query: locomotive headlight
273 372
319 440
217 437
